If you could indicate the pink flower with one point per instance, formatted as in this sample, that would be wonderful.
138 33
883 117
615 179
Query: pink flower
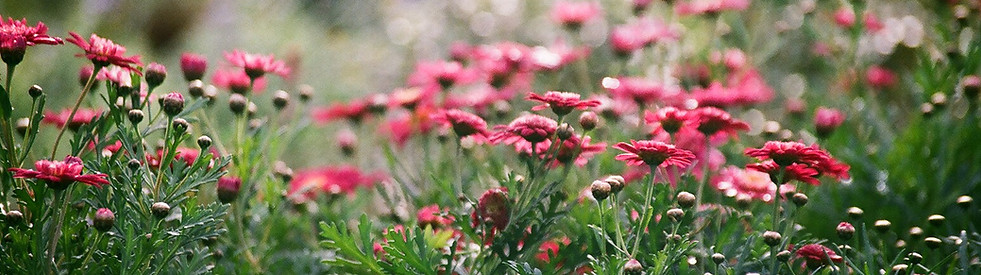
184 154
432 216
256 65
529 128
463 123
574 14
872 22
669 119
354 111
745 183
117 75
442 73
711 7
556 56
653 153
493 209
103 52
562 103
816 255
410 98
82 116
578 151
640 90
826 120
238 82
785 153
845 17
59 174
711 121
193 66
16 36
626 39
228 188
330 180
879 77
795 171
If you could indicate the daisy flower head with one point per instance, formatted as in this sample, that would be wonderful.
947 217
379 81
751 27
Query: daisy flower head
59 174
711 120
528 128
104 52
463 123
785 153
257 65
17 35
653 153
562 103
669 119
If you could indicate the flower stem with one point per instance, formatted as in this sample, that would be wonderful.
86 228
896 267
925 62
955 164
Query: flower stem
600 206
616 221
78 102
774 264
648 211
60 201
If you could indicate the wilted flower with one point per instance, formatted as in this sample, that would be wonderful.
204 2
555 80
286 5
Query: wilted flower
653 153
103 52
816 255
562 103
59 174
256 65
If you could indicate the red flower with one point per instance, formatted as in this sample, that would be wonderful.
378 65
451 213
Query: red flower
844 17
816 255
442 73
228 188
627 38
463 123
530 128
711 120
16 36
187 155
103 52
785 153
238 81
59 174
669 119
330 180
193 66
640 90
574 14
879 77
561 103
353 111
82 117
826 120
653 153
830 166
494 209
432 216
796 171
578 151
256 65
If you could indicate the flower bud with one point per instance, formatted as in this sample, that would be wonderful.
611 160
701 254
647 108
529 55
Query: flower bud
633 267
494 208
210 93
964 201
35 91
826 120
22 124
938 99
799 199
675 214
347 141
501 108
915 232
936 220
281 170
718 258
686 199
280 99
600 189
135 116
783 255
565 131
14 217
900 269
237 103
172 103
972 86
845 230
155 74
180 126
204 142
855 213
926 109
616 183
771 129
133 164
193 66
104 219
228 188
882 225
914 258
771 238
195 88
588 120
160 209
251 109
306 92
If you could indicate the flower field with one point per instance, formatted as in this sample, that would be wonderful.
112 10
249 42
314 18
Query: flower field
490 137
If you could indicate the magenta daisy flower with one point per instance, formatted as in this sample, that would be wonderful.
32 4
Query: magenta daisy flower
653 153
785 153
669 119
562 103
16 36
256 65
463 123
103 52
59 174
711 120
529 128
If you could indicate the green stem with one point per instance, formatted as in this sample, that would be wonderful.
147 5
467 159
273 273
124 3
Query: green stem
616 220
774 263
88 254
599 205
165 158
78 102
648 212
61 202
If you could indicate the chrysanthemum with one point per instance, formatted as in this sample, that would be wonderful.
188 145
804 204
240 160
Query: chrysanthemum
562 103
745 183
530 128
711 120
183 154
493 208
193 66
103 52
331 180
238 81
463 123
353 111
574 14
578 151
257 65
59 174
826 120
119 76
16 36
653 153
816 255
669 119
430 216
697 7
441 73
785 153
82 117
795 171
